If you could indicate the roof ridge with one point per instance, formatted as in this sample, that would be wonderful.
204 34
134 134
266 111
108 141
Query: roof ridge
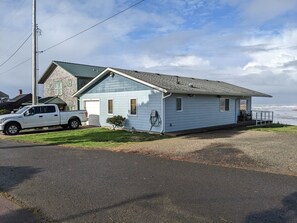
170 75
66 62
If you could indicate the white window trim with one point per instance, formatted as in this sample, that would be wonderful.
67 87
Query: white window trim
58 91
224 104
182 107
130 107
110 99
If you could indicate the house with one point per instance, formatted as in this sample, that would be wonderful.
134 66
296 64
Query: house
50 100
3 97
16 102
63 79
163 103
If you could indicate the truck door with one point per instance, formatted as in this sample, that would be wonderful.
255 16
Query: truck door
32 118
51 115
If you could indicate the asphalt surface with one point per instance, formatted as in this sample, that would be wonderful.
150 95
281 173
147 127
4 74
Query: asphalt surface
73 185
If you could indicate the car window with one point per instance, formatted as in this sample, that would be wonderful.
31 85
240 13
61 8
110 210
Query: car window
34 110
49 109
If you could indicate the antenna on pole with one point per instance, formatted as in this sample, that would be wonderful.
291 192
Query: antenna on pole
34 81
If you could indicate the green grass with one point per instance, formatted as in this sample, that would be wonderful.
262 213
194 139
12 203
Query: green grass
89 137
276 128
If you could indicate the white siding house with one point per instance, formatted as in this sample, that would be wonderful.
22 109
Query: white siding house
180 103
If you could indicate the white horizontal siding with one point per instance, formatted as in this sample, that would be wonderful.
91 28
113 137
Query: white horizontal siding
198 112
147 100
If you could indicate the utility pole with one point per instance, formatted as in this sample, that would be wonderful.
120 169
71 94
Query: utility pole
34 76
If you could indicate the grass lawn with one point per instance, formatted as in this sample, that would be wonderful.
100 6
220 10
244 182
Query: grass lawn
276 128
88 137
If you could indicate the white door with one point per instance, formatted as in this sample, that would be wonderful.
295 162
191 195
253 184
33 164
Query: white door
93 109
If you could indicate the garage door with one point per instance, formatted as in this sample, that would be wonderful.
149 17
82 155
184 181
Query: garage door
93 109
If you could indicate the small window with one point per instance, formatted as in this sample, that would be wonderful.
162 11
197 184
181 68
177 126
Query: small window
224 104
179 105
69 83
58 88
133 106
110 107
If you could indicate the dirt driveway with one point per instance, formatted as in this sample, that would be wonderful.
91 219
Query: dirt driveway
263 151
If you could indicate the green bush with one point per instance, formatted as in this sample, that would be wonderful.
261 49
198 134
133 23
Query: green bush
4 111
116 121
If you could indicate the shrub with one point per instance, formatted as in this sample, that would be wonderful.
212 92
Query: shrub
4 111
116 121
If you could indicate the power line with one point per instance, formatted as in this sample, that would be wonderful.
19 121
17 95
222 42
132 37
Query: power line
91 27
23 43
16 66
85 30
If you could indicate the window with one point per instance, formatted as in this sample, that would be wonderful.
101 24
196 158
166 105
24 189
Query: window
33 111
179 105
58 88
133 107
110 107
48 109
224 104
69 83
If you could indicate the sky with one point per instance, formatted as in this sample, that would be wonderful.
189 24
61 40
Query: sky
250 43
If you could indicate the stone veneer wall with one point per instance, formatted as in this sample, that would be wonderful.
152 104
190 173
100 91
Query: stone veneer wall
69 83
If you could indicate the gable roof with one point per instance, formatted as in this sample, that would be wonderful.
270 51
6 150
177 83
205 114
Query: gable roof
21 97
77 70
3 95
177 84
48 100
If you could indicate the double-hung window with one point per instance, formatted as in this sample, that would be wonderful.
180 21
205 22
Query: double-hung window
133 107
58 88
224 104
179 104
110 107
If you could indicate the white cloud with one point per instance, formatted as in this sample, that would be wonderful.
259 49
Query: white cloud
263 10
277 52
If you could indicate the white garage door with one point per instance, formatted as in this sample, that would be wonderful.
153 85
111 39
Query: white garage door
93 109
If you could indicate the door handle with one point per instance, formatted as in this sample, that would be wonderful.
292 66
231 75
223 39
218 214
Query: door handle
40 116
55 115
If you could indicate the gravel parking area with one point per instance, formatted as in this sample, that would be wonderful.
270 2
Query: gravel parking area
263 151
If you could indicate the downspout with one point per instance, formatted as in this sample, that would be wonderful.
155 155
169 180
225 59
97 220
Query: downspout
163 110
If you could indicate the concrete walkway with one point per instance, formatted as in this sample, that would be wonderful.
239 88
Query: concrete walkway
12 213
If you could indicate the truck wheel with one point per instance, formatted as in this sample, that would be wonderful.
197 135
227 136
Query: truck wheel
73 123
12 128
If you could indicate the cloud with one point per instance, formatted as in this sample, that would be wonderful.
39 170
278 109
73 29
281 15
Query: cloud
277 53
263 10
217 39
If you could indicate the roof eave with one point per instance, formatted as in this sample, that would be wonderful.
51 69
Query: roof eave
99 76
219 94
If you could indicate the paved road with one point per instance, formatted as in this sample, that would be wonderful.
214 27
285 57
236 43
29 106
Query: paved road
73 185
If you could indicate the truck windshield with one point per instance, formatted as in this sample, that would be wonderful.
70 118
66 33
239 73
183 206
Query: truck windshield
22 110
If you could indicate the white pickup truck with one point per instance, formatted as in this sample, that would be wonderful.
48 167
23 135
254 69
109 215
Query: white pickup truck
38 116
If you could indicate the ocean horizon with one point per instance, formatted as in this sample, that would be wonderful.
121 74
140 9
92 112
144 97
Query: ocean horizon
283 114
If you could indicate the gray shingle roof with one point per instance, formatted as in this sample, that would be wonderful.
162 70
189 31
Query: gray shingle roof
188 85
77 70
3 95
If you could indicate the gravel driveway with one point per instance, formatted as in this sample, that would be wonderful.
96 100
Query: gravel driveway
263 151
